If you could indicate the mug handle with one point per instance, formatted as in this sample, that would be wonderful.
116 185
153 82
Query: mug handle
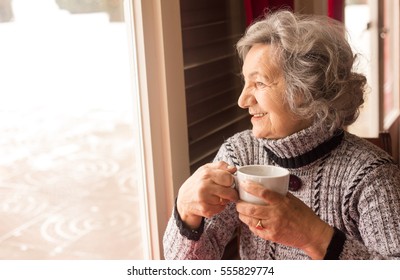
235 182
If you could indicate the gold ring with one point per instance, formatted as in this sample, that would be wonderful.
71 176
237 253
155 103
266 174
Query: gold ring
259 225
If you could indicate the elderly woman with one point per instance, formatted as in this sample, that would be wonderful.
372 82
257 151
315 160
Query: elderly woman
344 197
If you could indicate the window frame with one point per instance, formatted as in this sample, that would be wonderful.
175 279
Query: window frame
157 60
373 117
388 25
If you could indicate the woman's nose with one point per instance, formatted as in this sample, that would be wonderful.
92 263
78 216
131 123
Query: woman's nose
245 99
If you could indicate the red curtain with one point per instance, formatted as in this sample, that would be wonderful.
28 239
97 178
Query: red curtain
336 9
256 8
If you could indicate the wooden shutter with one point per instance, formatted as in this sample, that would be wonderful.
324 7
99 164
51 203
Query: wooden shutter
210 30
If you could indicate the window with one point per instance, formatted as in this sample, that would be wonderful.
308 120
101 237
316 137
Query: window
374 32
389 34
70 158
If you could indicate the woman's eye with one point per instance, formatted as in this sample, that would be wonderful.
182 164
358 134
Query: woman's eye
260 85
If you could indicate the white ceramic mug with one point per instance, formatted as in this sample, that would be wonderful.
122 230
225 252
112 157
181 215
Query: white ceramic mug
274 178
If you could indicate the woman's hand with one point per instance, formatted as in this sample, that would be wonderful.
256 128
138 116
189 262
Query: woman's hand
285 220
206 193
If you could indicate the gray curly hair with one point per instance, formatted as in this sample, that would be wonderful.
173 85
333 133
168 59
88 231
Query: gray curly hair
317 62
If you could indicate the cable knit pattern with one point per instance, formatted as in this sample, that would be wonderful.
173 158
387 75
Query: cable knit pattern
355 187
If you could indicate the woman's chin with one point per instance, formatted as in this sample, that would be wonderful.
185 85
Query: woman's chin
259 134
265 134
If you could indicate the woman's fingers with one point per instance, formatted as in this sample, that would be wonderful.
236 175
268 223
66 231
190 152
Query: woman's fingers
288 221
206 192
216 179
252 221
220 173
270 197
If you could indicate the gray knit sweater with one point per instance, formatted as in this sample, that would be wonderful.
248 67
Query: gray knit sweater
348 182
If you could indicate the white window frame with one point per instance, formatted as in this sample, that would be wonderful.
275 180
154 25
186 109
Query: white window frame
155 33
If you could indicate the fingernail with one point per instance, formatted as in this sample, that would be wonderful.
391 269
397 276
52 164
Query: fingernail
230 167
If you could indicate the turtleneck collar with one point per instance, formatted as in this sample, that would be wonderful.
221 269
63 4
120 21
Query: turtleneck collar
303 147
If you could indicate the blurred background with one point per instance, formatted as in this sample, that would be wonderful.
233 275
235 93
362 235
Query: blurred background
68 188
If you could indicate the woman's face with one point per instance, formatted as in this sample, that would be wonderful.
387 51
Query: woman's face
263 96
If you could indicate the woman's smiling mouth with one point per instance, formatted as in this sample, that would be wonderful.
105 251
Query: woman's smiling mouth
260 115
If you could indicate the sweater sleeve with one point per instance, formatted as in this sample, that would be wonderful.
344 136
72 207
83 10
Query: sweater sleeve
375 210
217 231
